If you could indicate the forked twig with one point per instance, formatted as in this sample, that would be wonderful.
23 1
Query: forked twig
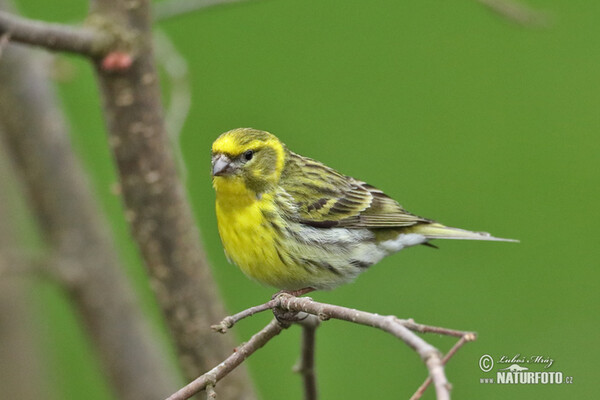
230 321
469 337
307 312
306 363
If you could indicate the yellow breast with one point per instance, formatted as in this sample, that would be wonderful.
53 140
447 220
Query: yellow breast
248 237
264 253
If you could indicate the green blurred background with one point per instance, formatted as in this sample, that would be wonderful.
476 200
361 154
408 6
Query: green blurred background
460 115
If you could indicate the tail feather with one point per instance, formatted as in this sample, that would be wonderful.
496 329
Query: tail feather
439 231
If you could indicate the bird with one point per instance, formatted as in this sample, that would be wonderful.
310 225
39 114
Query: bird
293 223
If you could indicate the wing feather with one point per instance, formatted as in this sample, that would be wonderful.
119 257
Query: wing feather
325 198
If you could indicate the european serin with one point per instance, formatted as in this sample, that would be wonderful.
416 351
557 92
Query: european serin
293 223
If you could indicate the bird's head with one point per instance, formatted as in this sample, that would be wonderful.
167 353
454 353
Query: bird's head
248 157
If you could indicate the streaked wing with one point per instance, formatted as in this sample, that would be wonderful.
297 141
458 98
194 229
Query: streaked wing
326 198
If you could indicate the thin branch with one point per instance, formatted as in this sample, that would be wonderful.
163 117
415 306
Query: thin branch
413 326
429 354
175 8
469 337
401 328
306 364
57 37
517 12
240 354
464 339
230 321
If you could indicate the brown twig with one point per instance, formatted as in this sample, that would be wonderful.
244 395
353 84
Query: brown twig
469 337
516 12
401 328
429 354
176 8
58 37
306 364
230 363
230 321
413 326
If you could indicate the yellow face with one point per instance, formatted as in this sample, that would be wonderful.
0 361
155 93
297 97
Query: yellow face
247 157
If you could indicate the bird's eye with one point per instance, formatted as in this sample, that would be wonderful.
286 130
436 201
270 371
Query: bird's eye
248 155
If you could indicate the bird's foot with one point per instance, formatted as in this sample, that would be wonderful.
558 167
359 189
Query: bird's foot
287 317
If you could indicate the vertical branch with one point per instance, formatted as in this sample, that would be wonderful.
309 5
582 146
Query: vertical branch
160 217
69 218
306 363
306 368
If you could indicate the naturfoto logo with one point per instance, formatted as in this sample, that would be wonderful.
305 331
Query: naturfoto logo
516 370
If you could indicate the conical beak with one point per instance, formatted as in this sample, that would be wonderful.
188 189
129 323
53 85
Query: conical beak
221 165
